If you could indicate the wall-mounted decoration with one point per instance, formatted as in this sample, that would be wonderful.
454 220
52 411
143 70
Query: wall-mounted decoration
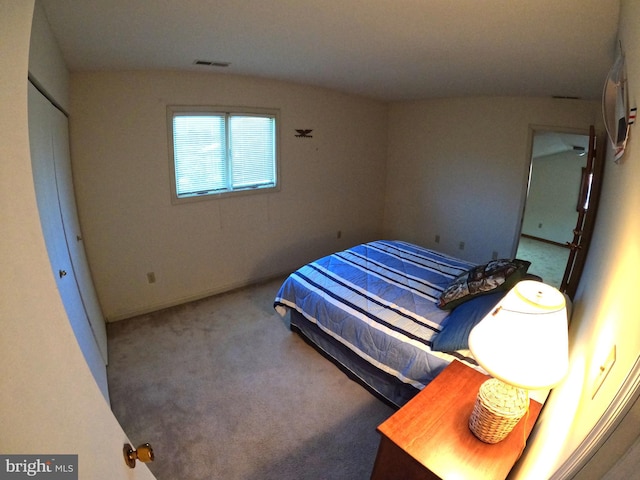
615 106
304 133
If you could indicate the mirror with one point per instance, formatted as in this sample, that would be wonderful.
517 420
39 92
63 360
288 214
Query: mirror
556 193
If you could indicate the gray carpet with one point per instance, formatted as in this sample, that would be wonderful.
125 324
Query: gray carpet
547 260
223 390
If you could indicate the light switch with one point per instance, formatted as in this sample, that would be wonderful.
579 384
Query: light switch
604 370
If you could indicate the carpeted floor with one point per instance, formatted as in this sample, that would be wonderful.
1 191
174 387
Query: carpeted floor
547 260
223 390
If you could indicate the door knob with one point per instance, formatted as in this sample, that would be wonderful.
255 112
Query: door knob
144 453
62 273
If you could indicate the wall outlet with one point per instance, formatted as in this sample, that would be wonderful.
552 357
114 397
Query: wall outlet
437 238
151 277
461 246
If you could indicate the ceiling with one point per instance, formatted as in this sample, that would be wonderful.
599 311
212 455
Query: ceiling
547 143
386 49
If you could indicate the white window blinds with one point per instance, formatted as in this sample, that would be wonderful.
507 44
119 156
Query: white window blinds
199 144
217 153
252 151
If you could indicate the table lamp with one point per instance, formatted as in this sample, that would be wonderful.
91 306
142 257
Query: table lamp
523 344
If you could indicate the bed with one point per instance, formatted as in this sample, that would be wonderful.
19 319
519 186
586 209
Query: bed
377 311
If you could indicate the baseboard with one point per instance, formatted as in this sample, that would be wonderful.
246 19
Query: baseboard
192 298
544 240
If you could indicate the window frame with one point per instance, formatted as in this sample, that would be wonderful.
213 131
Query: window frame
203 110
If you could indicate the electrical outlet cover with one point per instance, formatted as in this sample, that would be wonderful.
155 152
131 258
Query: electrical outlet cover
604 371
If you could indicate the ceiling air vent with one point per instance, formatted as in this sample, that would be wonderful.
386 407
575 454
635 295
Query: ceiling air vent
209 63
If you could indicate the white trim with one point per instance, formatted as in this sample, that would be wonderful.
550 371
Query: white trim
629 392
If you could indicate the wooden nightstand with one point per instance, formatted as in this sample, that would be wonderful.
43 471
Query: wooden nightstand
429 438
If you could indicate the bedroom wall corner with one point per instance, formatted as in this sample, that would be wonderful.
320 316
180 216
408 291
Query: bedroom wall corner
458 169
330 196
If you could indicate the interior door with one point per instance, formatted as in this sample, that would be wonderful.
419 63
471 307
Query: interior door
44 130
588 206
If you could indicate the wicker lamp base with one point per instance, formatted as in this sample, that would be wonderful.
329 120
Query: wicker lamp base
498 409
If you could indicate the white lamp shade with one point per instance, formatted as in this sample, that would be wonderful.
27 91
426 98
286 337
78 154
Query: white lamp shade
524 340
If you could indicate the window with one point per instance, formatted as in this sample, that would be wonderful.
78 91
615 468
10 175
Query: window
217 152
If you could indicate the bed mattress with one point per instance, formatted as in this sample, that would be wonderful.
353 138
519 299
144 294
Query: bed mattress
373 310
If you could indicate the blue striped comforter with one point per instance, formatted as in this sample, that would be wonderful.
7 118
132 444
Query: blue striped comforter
379 300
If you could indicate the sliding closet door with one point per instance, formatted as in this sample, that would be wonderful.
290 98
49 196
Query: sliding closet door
56 206
73 234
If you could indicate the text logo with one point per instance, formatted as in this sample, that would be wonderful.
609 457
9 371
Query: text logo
44 467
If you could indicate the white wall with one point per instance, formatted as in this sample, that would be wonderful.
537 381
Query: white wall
458 168
49 402
606 305
553 192
329 183
445 155
473 140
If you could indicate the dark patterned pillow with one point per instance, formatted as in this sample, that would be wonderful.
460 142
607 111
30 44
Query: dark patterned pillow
493 276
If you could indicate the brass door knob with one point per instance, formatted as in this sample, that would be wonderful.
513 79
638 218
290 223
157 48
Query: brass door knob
144 453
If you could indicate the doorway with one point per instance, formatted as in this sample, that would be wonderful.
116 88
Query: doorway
560 205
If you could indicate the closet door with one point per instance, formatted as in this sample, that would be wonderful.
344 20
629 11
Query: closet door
71 226
56 206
